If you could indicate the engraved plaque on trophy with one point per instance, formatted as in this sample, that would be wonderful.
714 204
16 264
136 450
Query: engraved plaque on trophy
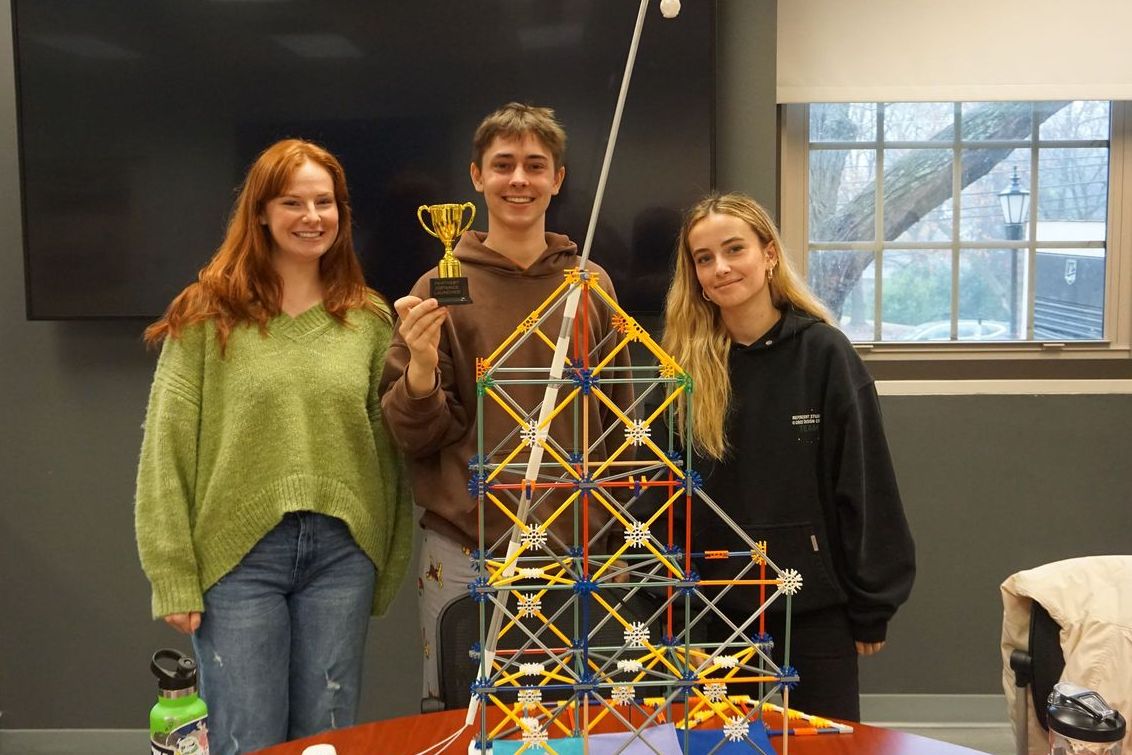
447 223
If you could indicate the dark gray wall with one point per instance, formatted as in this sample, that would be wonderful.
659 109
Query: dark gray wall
74 605
746 128
992 484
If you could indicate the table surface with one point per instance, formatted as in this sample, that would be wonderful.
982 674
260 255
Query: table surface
411 734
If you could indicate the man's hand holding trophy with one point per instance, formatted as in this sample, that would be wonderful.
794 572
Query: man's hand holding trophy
447 223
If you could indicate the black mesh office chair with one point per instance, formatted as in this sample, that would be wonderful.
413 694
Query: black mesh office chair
458 630
1039 668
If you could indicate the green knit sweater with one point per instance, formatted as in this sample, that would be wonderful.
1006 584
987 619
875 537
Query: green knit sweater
284 421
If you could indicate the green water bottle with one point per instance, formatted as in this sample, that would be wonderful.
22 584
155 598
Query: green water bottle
178 724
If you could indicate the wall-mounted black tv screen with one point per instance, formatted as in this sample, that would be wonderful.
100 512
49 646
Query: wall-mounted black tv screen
138 120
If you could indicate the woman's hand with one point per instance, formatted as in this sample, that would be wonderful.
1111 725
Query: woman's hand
868 648
185 623
420 327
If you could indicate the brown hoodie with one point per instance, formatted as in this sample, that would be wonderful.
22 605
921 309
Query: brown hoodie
438 431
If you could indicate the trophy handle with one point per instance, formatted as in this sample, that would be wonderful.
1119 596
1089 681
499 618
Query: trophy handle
421 220
469 206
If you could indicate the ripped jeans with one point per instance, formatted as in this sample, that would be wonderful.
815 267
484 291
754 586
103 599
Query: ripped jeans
282 636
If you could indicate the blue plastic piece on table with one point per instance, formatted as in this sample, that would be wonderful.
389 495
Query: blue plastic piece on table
662 738
702 740
665 739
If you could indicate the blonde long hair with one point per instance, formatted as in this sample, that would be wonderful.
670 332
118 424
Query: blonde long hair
694 333
239 284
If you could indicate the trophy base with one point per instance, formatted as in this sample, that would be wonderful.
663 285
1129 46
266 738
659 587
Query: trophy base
448 291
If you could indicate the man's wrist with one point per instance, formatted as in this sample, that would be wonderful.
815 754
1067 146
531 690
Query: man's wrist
420 382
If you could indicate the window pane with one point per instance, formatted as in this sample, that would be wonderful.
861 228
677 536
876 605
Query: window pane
992 295
916 297
917 194
1069 294
1072 194
845 281
842 193
1084 119
843 122
919 121
934 286
998 121
986 174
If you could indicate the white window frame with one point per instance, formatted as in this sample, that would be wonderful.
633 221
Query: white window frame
1117 341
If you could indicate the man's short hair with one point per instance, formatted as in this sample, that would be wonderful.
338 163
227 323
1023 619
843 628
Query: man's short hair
515 120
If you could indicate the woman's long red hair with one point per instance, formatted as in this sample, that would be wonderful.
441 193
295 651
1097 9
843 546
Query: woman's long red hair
239 284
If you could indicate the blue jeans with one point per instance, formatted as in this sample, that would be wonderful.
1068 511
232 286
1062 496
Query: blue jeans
282 636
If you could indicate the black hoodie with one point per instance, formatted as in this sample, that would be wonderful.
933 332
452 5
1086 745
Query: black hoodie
809 472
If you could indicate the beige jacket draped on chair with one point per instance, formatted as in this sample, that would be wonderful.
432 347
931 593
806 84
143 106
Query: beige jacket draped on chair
1091 600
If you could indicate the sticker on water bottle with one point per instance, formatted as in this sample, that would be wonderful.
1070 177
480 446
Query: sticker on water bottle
188 739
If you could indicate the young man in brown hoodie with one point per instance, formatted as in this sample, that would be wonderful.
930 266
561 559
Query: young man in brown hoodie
429 385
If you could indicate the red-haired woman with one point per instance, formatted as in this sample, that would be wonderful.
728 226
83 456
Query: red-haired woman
272 516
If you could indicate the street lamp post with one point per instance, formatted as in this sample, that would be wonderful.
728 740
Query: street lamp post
1015 202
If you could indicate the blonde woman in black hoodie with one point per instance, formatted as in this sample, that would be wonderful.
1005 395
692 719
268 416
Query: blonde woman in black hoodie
787 434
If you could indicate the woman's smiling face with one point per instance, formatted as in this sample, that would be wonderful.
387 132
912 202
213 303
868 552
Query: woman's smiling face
731 263
303 220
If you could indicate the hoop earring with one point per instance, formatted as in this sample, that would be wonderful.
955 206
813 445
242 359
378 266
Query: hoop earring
704 294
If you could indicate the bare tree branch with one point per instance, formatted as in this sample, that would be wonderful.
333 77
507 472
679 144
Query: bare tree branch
913 186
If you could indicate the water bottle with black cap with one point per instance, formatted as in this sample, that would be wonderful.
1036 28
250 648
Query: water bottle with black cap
1082 723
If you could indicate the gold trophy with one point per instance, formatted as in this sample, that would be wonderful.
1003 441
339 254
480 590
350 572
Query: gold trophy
447 224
